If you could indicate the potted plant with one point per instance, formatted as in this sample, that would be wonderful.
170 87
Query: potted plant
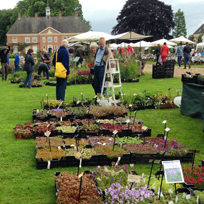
19 134
27 134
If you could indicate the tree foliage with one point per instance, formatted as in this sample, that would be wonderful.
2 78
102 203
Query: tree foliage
28 8
191 37
180 24
200 38
146 17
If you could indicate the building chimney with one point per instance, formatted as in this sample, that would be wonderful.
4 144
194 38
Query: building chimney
60 15
36 15
19 15
76 14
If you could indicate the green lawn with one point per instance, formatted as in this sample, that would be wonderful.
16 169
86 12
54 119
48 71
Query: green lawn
196 66
21 182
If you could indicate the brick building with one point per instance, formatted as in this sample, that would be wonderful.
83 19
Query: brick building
199 31
47 32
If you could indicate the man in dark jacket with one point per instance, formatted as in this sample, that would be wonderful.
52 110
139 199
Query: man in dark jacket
62 57
187 51
157 53
3 54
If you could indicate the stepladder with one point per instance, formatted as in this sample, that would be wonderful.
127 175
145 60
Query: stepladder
112 69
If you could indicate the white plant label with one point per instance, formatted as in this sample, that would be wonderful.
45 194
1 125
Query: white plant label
164 122
80 162
128 120
47 95
165 137
135 111
130 105
144 128
171 202
37 111
176 200
95 96
170 191
184 195
78 102
60 118
197 199
80 175
161 195
142 175
48 164
73 146
188 197
167 129
115 132
118 161
98 121
59 147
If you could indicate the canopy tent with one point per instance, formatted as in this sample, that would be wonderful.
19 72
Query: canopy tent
129 36
90 36
161 42
181 39
200 45
141 44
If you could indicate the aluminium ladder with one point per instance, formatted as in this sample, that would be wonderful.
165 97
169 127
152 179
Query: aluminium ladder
112 68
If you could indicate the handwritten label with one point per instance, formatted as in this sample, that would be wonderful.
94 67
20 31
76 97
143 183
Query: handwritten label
134 178
167 129
80 175
164 122
47 134
115 132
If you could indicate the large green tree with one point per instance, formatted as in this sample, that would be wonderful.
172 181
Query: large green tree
180 24
4 22
148 17
28 8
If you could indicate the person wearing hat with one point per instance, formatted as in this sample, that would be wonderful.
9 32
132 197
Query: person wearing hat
3 55
45 58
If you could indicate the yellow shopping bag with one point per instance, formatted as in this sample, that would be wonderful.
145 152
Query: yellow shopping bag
60 70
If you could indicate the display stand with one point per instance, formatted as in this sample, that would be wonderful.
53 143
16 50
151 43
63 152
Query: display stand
112 71
76 59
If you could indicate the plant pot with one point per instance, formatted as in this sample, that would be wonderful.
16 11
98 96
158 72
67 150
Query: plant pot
19 136
26 138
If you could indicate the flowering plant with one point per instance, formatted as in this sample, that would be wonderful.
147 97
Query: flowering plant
194 176
173 147
119 194
108 151
58 113
105 176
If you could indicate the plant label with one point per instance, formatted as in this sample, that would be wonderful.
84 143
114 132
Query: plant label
130 105
80 175
78 102
188 197
176 200
157 161
142 175
144 128
118 161
59 147
37 111
48 125
197 199
170 191
81 93
135 111
47 134
115 132
98 121
165 137
167 129
171 202
46 95
80 162
184 195
164 122
128 120
48 164
95 96
134 178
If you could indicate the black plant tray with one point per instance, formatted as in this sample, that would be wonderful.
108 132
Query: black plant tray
142 158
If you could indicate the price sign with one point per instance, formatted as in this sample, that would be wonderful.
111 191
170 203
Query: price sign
164 122
167 129
188 197
144 128
115 132
134 178
128 120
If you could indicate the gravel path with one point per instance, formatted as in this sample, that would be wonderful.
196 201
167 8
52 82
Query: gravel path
177 71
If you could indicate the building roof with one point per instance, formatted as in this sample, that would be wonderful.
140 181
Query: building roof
32 25
200 30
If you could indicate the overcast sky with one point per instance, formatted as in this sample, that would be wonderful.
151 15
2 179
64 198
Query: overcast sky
103 14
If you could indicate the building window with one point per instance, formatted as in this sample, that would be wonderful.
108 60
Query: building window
15 40
49 39
44 47
50 48
27 39
44 39
35 49
64 37
34 39
55 39
27 48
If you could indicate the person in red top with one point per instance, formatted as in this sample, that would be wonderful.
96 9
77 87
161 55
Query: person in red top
164 52
130 51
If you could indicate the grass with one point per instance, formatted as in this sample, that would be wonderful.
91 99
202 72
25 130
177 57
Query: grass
195 66
22 183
